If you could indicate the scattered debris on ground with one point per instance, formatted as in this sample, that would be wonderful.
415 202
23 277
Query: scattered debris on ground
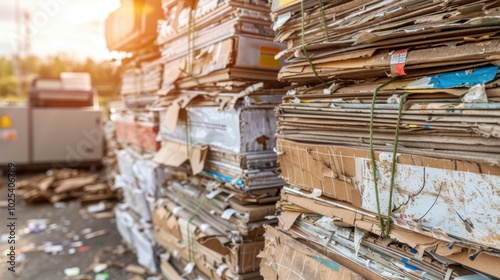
57 185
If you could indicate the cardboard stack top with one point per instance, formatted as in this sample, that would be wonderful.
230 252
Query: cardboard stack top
389 139
442 54
217 46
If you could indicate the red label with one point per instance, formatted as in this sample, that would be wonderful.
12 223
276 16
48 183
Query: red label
398 62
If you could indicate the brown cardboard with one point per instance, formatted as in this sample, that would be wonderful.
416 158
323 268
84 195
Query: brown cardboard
287 258
75 183
167 232
171 154
362 271
198 159
241 258
431 241
254 212
288 218
344 174
166 221
169 271
175 154
332 168
172 116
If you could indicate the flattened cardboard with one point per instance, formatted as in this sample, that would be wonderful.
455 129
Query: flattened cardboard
175 154
241 258
345 174
172 116
254 212
75 183
411 234
290 259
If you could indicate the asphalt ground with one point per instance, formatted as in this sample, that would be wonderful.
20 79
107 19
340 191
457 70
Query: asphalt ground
65 225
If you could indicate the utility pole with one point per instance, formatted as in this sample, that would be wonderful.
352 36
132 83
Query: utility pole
17 50
27 50
27 35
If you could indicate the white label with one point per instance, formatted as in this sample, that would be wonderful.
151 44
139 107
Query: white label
398 58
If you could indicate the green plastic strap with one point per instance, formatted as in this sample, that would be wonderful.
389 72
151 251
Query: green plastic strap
304 46
393 167
372 154
324 20
192 76
190 238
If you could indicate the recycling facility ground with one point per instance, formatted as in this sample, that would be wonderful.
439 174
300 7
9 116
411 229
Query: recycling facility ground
66 224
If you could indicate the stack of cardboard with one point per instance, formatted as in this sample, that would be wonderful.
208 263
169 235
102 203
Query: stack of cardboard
212 45
132 29
389 141
217 126
137 128
206 193
223 189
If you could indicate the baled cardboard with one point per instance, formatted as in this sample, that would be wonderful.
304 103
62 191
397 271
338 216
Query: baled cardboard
345 174
284 256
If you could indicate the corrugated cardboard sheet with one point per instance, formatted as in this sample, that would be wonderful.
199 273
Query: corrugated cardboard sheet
393 112
434 193
443 248
285 257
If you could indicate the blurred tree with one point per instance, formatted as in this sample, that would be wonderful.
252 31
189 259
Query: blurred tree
103 74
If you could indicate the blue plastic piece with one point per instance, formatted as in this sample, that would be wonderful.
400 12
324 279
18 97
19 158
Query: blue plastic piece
464 78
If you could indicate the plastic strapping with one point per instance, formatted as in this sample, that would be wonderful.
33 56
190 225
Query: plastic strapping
304 46
324 20
372 155
393 166
190 238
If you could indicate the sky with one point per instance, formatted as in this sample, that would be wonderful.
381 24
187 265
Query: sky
74 27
